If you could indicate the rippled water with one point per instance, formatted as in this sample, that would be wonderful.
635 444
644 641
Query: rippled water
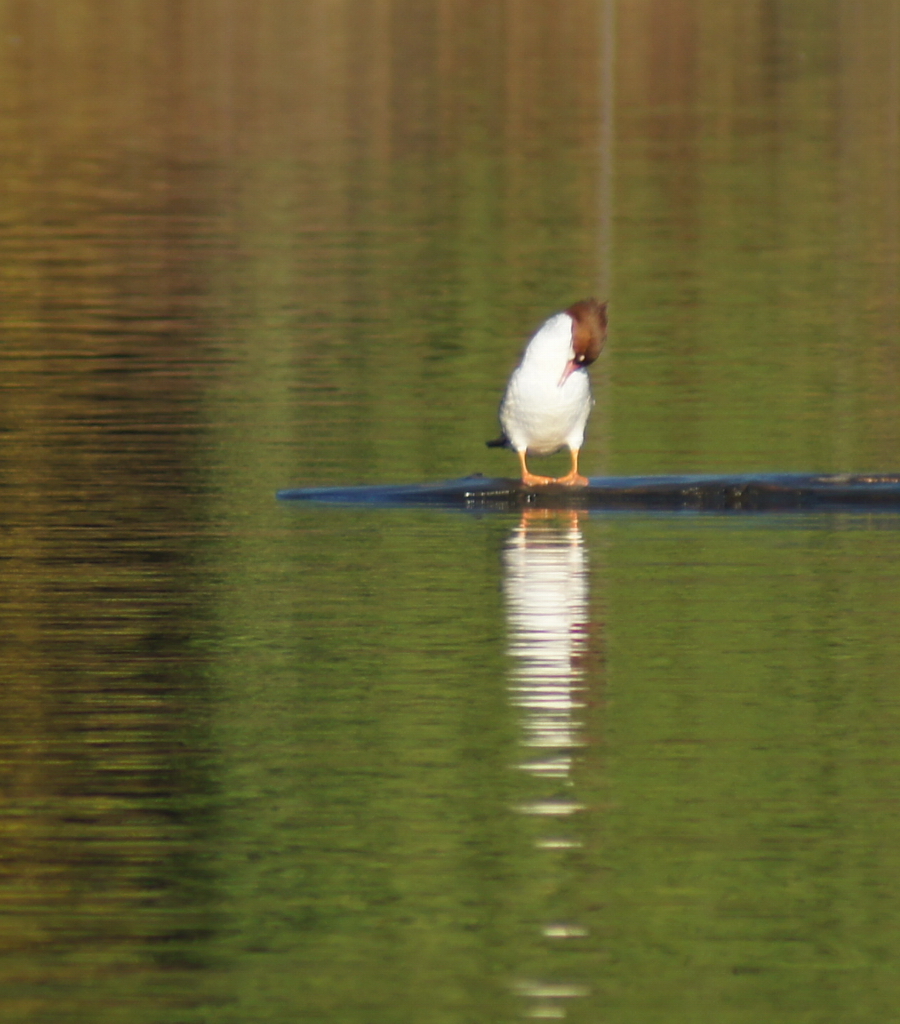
277 763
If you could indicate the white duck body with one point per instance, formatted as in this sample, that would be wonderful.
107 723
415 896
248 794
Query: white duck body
540 415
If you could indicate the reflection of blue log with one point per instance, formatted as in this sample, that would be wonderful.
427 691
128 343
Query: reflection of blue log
704 493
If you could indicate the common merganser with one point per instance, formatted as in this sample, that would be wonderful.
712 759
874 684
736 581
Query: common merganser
548 398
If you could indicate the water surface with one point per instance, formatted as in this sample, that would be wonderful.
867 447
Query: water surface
279 763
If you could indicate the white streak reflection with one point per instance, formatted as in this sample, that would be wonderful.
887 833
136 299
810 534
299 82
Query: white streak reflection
558 843
546 591
564 931
547 600
551 808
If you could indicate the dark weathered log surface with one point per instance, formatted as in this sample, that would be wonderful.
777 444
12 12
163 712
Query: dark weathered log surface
751 493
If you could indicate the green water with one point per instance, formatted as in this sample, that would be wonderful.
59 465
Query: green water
737 781
274 763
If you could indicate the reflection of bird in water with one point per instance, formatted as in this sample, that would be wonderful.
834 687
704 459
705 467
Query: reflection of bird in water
545 584
548 398
546 595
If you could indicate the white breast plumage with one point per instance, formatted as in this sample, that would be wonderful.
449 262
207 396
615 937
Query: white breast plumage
548 398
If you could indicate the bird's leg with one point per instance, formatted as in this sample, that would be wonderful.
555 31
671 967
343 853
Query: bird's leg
573 478
529 479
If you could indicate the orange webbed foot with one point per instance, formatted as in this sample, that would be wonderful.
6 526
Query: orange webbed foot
573 479
530 480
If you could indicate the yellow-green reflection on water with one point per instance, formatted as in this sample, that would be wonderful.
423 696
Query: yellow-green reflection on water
265 763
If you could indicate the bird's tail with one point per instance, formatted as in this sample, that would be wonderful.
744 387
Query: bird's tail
499 442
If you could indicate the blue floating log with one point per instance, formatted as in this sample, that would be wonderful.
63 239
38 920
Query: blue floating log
749 493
